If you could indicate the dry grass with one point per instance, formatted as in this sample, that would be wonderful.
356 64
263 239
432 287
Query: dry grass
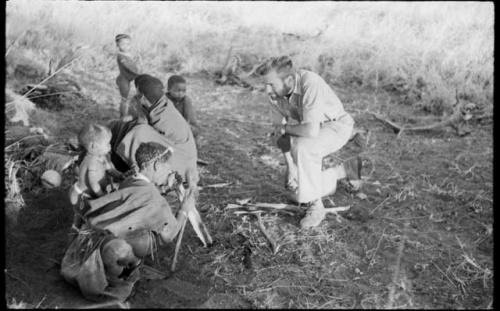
17 108
424 52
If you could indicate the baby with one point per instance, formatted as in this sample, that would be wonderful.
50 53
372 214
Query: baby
95 169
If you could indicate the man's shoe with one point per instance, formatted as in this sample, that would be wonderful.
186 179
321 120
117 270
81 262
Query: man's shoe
314 215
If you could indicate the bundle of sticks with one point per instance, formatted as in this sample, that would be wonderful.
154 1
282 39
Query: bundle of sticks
194 218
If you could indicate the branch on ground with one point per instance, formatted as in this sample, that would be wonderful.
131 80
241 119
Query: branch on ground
457 120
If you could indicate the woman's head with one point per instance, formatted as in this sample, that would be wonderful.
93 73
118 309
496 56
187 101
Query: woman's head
150 87
152 161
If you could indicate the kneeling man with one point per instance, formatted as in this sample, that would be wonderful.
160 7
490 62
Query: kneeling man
321 127
123 227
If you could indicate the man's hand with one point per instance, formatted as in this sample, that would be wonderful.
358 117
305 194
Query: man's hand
278 130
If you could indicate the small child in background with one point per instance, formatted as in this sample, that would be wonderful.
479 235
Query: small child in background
128 67
176 92
95 168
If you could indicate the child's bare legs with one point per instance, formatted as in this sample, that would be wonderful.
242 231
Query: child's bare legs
123 108
124 88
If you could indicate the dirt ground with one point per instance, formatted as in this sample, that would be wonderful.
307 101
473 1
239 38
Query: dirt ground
422 237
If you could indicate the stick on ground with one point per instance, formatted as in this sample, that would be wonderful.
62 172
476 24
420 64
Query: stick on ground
178 245
274 246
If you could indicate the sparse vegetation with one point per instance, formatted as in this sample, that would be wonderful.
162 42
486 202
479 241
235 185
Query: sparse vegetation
421 237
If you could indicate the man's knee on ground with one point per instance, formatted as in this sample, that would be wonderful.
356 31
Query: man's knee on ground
284 143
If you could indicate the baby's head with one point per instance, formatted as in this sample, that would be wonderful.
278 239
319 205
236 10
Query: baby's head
95 139
177 87
123 42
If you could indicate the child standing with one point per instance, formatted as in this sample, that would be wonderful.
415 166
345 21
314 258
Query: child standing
176 92
95 168
127 65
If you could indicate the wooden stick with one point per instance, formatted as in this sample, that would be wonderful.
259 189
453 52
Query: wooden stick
52 94
239 209
273 205
262 211
274 246
335 210
15 41
178 245
181 192
220 185
454 118
201 162
199 227
396 128
25 95
122 305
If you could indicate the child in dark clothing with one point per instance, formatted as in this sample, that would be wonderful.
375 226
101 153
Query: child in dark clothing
127 64
176 93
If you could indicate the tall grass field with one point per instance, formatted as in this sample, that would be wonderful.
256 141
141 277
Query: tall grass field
427 51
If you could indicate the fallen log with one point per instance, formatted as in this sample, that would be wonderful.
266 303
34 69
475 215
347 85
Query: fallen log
457 120
232 72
